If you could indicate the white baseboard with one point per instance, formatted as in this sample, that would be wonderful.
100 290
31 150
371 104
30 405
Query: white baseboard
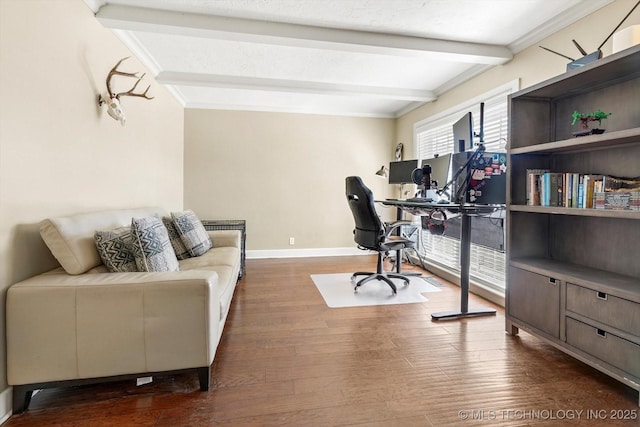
6 404
304 253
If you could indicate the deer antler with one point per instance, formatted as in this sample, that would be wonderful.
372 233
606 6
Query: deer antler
115 72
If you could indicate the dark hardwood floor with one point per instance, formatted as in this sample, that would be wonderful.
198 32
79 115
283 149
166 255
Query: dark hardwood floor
287 359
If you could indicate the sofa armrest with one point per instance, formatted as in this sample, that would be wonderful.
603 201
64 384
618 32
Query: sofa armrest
226 238
62 327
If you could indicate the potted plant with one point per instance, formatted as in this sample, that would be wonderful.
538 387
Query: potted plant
585 118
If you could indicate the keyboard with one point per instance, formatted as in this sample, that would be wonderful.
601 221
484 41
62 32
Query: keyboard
420 199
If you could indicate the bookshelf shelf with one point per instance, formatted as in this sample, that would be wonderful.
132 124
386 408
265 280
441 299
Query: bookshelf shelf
591 142
573 275
555 210
624 65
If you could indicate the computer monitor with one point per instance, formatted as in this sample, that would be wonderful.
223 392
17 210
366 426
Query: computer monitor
439 170
463 134
400 172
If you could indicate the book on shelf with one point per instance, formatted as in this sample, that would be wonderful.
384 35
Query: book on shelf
593 183
555 189
575 190
534 178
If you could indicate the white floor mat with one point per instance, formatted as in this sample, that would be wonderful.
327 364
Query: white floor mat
337 291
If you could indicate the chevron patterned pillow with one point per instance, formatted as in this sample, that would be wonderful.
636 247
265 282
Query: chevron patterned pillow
152 249
116 252
193 234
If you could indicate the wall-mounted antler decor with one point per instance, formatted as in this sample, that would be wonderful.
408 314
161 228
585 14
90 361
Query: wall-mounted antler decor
113 99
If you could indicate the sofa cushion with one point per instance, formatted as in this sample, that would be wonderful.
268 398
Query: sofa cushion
71 238
115 250
193 234
176 241
152 249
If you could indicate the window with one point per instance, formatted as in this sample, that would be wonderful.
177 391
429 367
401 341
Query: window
434 135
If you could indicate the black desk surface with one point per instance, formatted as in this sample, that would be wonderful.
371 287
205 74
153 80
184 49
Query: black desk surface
427 206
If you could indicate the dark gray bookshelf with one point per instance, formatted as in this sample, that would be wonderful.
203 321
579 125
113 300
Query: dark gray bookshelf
573 275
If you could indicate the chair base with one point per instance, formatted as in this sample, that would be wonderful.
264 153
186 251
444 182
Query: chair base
385 277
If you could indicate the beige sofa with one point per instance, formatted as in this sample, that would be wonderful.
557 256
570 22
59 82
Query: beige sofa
90 325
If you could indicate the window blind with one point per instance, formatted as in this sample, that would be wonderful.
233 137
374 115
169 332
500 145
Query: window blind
433 136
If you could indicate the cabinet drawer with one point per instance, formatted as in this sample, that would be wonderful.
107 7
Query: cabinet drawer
607 347
608 309
534 299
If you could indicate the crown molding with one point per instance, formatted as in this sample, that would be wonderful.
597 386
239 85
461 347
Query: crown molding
559 22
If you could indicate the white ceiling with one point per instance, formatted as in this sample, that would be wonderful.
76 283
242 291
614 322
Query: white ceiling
374 58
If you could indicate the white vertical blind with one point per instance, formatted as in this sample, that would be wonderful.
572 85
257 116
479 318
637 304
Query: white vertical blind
434 135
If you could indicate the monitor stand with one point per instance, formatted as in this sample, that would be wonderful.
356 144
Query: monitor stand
402 197
431 194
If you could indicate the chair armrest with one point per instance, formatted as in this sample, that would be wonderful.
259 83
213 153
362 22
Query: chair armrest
391 227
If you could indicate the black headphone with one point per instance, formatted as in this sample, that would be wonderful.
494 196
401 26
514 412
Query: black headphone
435 222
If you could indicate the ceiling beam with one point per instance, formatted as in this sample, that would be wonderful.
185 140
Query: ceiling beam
250 30
294 86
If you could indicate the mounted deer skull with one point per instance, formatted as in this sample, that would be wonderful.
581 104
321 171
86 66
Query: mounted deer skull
113 99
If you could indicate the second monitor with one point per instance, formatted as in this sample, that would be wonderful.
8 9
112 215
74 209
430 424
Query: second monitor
400 172
439 170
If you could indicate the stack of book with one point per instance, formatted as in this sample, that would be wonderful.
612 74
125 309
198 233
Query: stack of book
575 190
619 201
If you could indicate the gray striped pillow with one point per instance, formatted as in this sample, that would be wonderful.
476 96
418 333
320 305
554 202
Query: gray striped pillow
193 234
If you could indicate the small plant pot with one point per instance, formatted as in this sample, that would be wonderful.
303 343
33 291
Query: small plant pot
596 131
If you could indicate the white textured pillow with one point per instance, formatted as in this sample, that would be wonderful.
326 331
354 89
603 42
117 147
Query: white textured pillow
151 246
193 234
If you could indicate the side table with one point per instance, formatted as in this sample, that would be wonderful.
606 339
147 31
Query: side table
231 224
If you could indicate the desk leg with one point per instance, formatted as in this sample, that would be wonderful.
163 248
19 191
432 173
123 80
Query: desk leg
465 262
398 260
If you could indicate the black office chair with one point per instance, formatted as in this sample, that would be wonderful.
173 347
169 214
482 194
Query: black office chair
372 234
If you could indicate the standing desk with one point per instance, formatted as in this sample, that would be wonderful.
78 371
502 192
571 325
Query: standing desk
466 211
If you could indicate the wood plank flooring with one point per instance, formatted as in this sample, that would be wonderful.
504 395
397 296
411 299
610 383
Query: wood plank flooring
286 359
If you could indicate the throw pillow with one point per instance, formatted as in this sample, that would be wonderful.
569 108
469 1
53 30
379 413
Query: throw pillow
116 252
176 241
152 249
193 234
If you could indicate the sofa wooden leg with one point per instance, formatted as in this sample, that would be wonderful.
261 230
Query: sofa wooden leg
21 398
204 375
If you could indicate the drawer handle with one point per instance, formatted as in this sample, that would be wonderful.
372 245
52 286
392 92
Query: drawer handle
553 281
602 296
601 333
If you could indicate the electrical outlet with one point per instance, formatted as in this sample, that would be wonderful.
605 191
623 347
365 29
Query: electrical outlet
143 380
292 241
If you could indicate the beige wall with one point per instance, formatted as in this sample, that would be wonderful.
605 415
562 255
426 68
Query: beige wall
531 66
59 152
284 173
